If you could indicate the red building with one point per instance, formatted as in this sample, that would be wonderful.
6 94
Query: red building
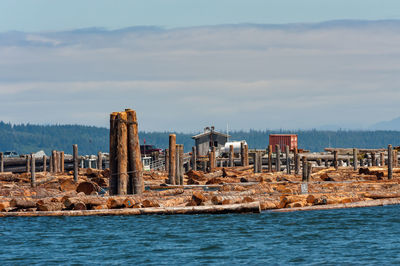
282 140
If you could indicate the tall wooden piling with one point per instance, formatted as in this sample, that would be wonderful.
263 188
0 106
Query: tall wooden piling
62 161
270 158
395 158
355 162
135 160
54 159
1 162
297 164
242 154
309 171
113 155
122 153
194 158
305 168
100 160
390 161
231 156
181 169
278 158
51 168
255 162
76 161
44 163
246 155
177 165
166 160
33 171
287 150
172 159
335 159
28 164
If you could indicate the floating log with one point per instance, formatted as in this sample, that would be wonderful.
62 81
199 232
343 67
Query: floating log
253 207
350 150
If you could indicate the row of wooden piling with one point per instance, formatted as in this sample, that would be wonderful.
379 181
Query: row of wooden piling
125 158
174 161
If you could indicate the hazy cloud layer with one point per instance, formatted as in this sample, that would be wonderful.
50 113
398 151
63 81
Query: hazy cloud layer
250 76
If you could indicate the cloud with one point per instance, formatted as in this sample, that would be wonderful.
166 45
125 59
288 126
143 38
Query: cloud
250 76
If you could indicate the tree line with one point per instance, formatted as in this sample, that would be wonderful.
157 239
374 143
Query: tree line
27 138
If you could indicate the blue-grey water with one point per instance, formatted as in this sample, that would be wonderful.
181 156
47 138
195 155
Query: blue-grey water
347 236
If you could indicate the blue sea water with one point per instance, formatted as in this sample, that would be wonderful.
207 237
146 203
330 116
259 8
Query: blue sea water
347 236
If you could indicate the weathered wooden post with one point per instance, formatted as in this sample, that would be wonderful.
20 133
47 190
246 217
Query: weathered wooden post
231 156
62 161
172 159
287 151
51 169
122 153
100 160
177 164
382 155
28 163
305 168
242 153
211 158
54 159
112 156
335 159
76 162
390 161
1 162
260 162
214 156
166 160
246 155
395 158
373 158
44 163
135 159
194 158
181 170
355 155
297 164
278 158
255 162
270 158
309 171
33 171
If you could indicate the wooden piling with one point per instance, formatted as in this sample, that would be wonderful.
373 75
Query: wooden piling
309 171
355 162
270 158
166 160
395 158
62 161
390 161
172 159
28 163
194 158
231 156
1 162
181 169
113 155
335 159
75 161
54 159
242 154
44 163
122 153
255 162
33 171
373 158
297 164
51 169
305 168
278 158
100 160
135 166
177 164
287 150
246 155
382 155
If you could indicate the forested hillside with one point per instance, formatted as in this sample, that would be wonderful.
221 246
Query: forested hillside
28 138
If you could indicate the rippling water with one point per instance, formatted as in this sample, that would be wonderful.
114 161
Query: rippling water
355 236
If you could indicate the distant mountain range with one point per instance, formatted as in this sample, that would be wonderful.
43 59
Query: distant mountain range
393 124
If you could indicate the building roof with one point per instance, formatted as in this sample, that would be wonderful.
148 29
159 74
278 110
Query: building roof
207 133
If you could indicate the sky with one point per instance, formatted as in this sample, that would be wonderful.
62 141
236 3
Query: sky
184 65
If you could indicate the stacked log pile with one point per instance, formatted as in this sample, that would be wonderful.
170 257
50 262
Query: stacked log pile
231 186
